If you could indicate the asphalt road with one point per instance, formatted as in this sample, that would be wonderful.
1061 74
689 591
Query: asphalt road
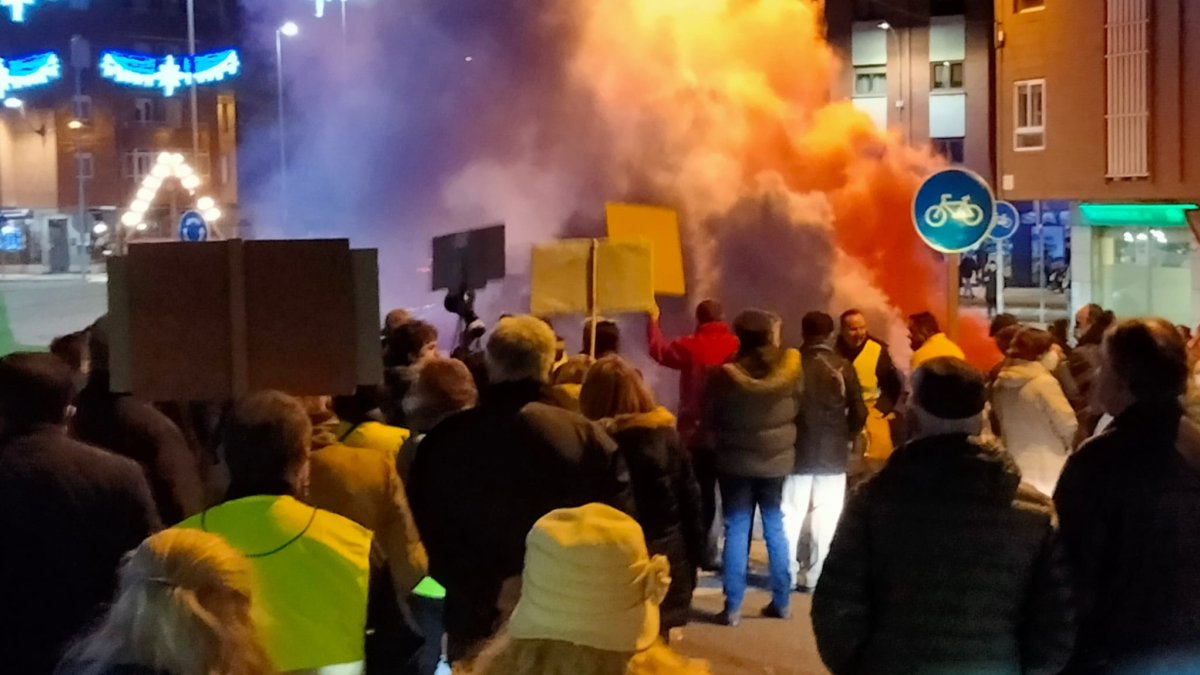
35 311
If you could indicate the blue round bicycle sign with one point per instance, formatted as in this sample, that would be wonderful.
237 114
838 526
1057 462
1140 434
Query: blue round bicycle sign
1007 220
954 210
192 227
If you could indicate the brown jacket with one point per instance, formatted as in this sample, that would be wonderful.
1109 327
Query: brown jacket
361 485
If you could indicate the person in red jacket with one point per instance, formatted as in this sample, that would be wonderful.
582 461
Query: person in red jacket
711 345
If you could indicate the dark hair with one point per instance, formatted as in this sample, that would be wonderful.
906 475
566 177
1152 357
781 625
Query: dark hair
267 434
753 328
1060 329
1004 338
1150 357
853 311
1101 320
406 341
926 323
443 387
817 326
950 388
1030 344
72 348
1092 312
34 389
98 344
709 311
359 406
1001 322
608 337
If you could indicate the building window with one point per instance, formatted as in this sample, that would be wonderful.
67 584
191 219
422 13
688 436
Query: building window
225 114
85 165
1127 94
1028 5
1030 115
946 75
950 148
870 80
154 110
82 108
139 163
224 169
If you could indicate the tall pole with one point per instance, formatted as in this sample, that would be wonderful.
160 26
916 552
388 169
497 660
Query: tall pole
191 12
999 277
85 231
283 187
952 290
343 25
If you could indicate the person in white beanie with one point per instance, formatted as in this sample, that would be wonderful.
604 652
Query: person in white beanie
589 602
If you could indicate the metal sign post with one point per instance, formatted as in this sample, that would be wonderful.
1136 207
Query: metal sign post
1007 221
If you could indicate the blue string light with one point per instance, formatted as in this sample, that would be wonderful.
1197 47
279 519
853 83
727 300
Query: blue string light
29 71
169 73
16 8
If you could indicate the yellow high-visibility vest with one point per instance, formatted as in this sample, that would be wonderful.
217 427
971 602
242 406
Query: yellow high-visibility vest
373 436
865 366
311 571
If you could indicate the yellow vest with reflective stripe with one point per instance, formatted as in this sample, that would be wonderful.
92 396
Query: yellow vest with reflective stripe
311 571
865 365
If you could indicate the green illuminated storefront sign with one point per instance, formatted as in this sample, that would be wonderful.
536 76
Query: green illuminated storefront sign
1136 215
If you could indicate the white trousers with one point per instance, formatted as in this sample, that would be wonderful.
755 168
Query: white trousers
812 505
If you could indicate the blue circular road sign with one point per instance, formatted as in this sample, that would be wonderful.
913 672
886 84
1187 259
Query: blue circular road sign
1007 220
193 227
954 210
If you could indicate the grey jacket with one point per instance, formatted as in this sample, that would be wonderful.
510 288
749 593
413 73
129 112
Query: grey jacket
752 415
832 412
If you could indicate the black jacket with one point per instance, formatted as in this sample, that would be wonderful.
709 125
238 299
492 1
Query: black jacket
133 428
944 563
668 501
68 512
484 476
832 412
1130 506
750 406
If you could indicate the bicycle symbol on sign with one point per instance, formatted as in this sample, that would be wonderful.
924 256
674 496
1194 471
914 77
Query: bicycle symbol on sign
1003 221
961 211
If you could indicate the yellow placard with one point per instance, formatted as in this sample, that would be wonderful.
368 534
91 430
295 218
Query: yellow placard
561 277
660 227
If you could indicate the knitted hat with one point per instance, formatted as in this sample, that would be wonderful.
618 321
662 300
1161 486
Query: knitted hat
950 389
589 581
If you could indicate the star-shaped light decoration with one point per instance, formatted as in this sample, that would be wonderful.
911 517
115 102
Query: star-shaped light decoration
16 8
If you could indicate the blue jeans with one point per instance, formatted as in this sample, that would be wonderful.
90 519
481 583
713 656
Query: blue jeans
739 496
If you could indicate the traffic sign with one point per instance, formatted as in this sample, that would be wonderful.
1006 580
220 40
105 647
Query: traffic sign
193 227
954 210
1007 220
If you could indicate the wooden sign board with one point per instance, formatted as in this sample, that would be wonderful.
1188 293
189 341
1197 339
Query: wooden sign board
216 320
660 227
562 276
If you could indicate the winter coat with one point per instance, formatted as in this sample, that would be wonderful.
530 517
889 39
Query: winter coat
711 345
361 484
1129 500
936 347
1037 423
668 501
1083 362
484 476
68 511
832 412
132 428
373 436
397 380
753 418
944 563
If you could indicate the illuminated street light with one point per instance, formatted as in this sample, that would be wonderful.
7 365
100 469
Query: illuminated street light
289 29
884 25
74 125
13 103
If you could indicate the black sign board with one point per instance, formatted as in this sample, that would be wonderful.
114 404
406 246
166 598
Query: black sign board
468 260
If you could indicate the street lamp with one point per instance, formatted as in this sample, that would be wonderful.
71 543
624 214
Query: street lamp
288 29
13 103
887 28
74 125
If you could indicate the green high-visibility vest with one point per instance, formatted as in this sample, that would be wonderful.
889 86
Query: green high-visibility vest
311 571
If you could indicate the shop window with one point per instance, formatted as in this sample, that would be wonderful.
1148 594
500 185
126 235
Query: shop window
1030 115
870 80
950 148
946 75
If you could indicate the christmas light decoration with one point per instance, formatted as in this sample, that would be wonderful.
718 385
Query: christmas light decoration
29 71
168 165
169 73
16 8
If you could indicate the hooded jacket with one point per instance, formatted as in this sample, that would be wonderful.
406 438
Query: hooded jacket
668 501
944 563
711 345
753 414
832 412
1037 422
1129 501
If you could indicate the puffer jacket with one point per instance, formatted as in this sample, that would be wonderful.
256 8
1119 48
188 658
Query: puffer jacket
752 416
832 412
1130 506
944 563
667 499
1037 422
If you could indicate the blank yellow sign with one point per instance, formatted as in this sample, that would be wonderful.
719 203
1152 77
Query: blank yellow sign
561 277
659 226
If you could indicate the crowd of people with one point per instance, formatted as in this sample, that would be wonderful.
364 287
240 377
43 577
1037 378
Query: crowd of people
519 510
